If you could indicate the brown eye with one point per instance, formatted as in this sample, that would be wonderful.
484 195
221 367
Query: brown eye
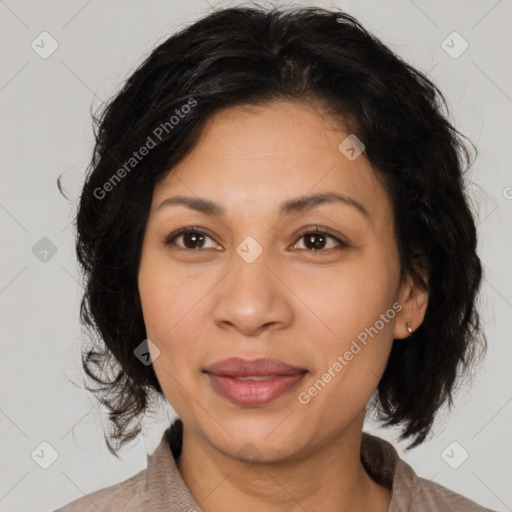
316 240
192 239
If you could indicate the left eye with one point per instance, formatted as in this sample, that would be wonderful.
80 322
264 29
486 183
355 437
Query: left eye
315 240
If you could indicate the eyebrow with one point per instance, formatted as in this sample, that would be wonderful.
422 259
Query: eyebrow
295 205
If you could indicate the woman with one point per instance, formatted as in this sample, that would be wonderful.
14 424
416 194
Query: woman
276 237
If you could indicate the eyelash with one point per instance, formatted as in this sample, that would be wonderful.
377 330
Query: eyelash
311 230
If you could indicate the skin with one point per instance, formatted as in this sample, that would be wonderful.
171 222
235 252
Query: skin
304 308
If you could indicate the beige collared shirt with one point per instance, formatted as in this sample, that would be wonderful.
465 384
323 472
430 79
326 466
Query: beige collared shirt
160 487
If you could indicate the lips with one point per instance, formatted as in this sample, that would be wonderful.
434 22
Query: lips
239 367
252 383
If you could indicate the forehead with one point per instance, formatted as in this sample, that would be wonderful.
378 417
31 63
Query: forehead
261 156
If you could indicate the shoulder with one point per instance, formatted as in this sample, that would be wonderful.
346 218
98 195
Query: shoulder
157 488
126 495
409 492
430 496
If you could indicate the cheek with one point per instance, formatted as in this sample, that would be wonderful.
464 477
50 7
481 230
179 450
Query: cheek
167 293
356 304
167 305
352 297
171 304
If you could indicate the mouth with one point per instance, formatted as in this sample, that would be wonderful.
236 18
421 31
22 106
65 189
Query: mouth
253 383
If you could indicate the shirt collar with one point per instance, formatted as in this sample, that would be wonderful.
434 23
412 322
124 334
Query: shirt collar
170 492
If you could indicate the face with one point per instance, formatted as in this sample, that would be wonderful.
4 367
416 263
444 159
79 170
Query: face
250 278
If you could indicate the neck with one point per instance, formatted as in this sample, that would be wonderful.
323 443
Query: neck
328 477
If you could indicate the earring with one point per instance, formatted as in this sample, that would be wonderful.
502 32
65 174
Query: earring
409 329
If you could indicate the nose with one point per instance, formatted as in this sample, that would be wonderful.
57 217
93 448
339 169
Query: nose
252 298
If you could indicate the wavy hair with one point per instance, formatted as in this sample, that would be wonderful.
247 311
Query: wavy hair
252 56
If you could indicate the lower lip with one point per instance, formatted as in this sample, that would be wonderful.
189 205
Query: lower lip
249 393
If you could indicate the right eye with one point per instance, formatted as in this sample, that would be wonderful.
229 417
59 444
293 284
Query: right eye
192 239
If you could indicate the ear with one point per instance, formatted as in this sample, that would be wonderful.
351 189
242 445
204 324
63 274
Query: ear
414 300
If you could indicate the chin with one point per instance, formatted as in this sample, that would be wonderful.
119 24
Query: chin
259 439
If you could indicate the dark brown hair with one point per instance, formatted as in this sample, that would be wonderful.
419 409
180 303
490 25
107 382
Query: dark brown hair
251 56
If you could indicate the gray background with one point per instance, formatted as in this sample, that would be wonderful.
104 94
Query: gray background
46 131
